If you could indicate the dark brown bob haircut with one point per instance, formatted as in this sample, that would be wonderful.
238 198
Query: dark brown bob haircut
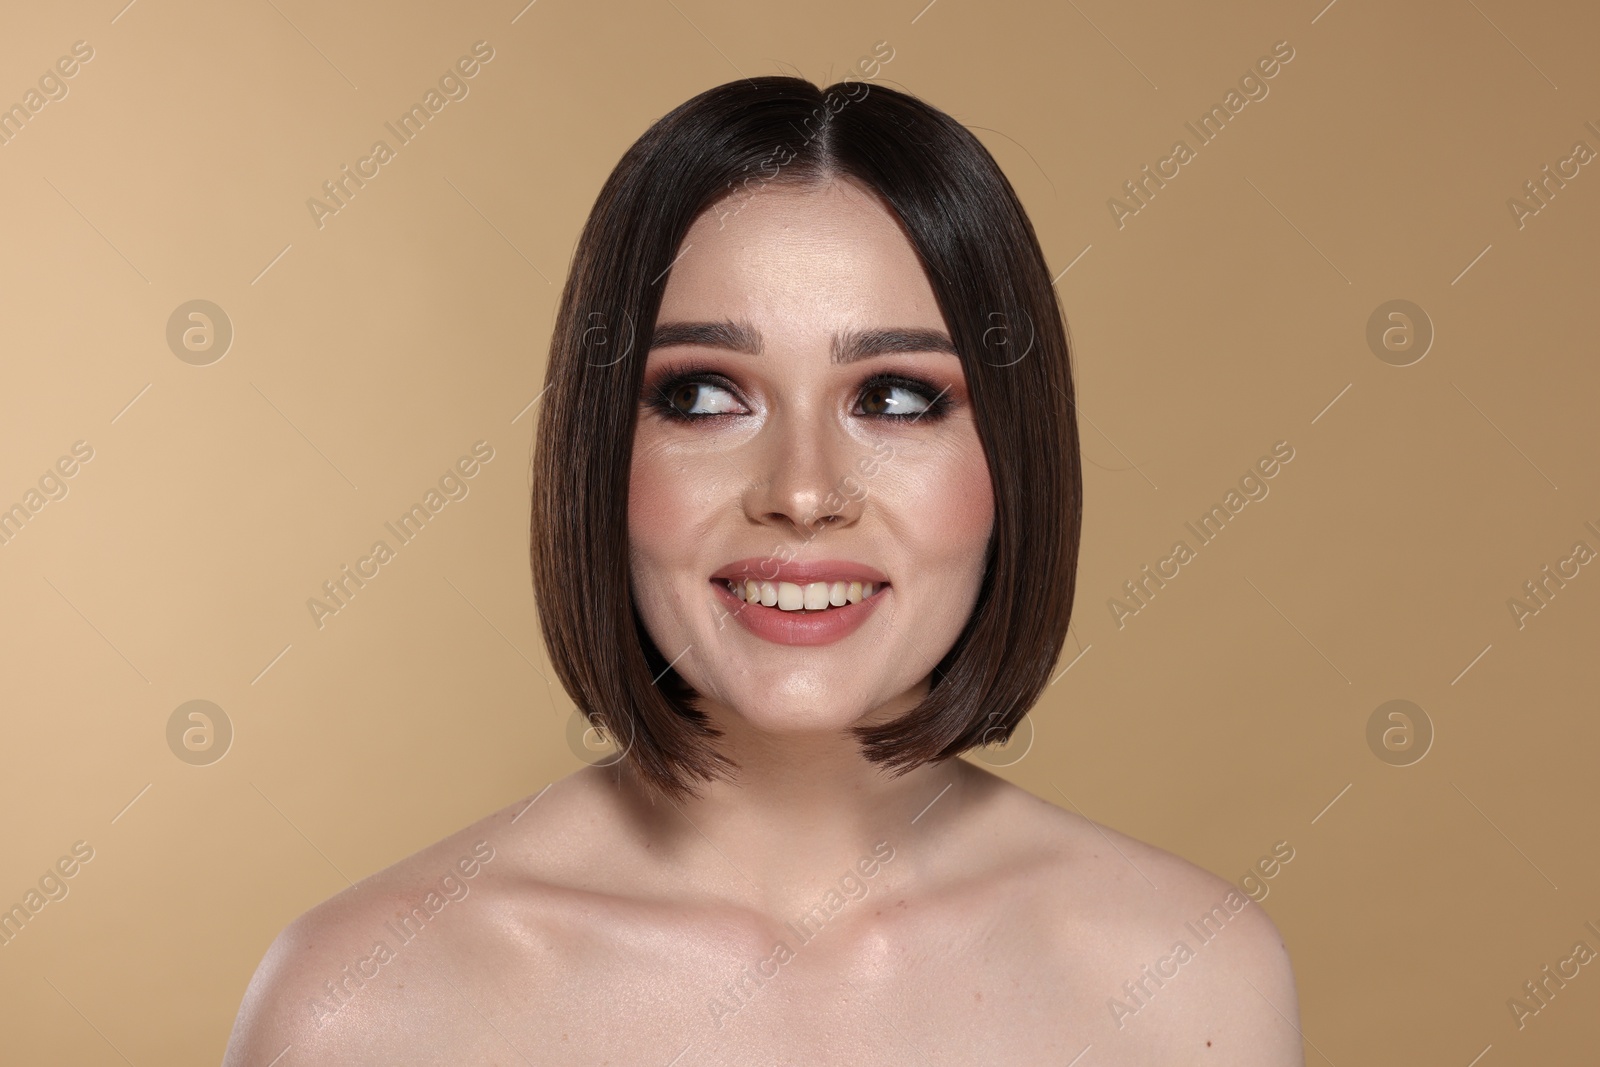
993 287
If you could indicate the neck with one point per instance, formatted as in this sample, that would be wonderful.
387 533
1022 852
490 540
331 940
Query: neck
803 809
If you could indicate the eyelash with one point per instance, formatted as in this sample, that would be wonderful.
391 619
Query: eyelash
937 400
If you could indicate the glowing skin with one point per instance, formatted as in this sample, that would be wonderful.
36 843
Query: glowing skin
611 927
911 498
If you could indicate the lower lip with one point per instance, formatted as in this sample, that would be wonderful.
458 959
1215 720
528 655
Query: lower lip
795 627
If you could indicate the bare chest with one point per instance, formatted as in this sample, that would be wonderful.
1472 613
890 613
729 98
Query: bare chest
935 992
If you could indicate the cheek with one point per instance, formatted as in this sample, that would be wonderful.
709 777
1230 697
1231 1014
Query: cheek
656 508
673 498
955 492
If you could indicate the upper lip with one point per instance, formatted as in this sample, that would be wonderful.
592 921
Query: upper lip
769 569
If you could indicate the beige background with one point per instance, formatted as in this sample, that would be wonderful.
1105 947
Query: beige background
1230 313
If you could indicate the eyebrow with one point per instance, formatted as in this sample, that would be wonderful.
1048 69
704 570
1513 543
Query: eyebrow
848 345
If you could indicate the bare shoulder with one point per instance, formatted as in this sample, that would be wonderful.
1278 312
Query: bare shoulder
1184 962
371 968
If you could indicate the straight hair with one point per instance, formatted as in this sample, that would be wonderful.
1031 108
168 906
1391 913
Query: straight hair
992 284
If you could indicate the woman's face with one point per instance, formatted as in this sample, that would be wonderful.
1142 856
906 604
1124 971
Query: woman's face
804 422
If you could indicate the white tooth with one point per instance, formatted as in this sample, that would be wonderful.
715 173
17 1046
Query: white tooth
769 594
867 589
752 592
790 598
816 596
836 593
852 593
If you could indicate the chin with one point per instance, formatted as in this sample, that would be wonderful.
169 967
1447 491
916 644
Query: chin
809 706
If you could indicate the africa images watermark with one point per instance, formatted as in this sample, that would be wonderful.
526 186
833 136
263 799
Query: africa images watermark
851 886
1142 190
1541 589
52 887
452 485
452 83
405 928
848 488
1140 991
1539 993
52 88
866 68
1538 192
52 486
1253 486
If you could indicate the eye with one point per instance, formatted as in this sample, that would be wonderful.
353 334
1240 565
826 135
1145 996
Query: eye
891 397
893 400
701 394
689 398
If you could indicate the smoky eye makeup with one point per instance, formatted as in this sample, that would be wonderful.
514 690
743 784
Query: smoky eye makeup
673 394
665 392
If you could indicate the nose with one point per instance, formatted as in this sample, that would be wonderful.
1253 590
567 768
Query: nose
806 481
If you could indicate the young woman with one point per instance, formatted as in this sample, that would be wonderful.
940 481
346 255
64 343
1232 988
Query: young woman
805 522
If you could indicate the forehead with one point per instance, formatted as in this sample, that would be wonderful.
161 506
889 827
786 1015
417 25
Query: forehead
798 260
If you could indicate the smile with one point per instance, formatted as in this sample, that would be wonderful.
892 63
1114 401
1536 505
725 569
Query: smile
811 597
801 624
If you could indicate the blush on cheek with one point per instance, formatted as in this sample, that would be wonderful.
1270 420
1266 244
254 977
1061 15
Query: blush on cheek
654 513
961 496
976 493
669 519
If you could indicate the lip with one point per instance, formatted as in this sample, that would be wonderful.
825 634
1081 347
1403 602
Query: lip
798 628
767 569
